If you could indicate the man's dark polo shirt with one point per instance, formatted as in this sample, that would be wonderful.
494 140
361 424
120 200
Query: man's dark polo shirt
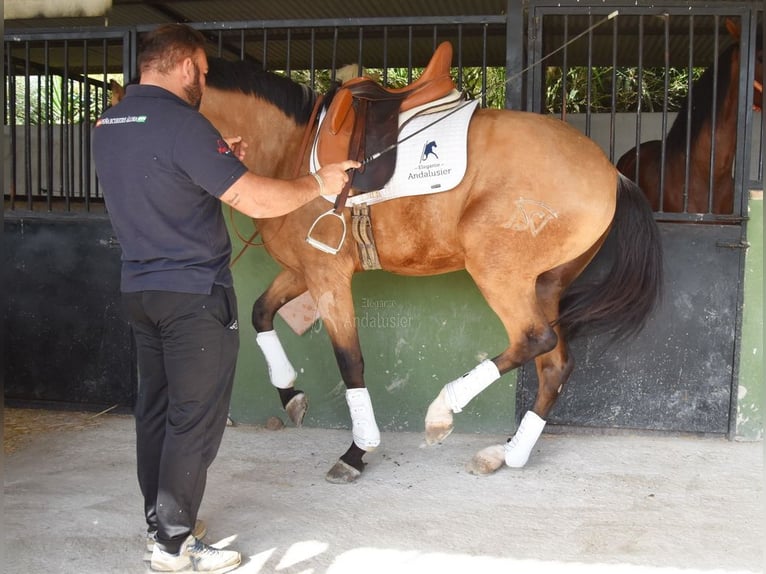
163 166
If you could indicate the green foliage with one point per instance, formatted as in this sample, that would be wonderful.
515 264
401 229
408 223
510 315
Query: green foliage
585 91
623 84
51 100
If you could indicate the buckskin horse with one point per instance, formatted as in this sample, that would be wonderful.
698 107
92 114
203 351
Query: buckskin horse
712 127
535 205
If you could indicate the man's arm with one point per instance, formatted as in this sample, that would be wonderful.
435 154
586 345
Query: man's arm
263 197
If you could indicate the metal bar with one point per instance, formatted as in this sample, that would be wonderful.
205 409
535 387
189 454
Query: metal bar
514 54
288 68
27 132
565 68
409 54
663 146
50 148
66 148
484 69
312 77
589 89
265 52
689 99
640 78
713 119
39 134
612 115
385 56
85 126
460 56
360 51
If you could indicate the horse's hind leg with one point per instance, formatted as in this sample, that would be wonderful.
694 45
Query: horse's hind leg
553 370
529 334
285 287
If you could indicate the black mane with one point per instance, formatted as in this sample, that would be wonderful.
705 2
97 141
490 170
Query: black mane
295 100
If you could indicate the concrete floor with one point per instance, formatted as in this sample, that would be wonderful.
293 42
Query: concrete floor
584 503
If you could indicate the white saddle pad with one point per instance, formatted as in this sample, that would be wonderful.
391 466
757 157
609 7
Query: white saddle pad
432 161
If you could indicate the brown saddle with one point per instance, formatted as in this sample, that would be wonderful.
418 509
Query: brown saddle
363 119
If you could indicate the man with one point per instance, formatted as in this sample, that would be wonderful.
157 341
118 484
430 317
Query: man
164 168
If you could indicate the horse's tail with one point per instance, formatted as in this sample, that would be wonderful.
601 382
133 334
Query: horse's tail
621 301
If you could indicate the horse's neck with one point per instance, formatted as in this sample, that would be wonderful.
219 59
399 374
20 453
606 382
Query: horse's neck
725 130
273 139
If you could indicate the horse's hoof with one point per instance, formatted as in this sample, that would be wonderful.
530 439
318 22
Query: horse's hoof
438 420
342 473
296 408
487 460
436 433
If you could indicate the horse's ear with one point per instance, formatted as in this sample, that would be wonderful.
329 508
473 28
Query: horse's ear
118 92
733 28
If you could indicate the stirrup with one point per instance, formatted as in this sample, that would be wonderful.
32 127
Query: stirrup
323 246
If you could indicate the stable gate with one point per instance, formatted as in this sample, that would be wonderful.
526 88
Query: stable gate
681 373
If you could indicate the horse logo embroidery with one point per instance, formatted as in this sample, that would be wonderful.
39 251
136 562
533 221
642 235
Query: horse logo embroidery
428 149
531 215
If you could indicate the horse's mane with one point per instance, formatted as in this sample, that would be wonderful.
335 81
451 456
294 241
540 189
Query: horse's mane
294 99
702 95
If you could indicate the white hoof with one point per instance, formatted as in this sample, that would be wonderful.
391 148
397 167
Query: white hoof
439 420
487 460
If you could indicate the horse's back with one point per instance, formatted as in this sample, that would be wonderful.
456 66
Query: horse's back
535 186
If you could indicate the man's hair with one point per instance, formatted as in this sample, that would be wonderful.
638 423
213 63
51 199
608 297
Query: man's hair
163 48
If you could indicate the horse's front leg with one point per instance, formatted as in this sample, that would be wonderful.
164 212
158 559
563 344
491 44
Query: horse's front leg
336 308
285 287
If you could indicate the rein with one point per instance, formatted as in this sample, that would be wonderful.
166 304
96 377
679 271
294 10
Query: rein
248 242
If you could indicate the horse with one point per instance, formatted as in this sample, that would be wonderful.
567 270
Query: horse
534 207
709 186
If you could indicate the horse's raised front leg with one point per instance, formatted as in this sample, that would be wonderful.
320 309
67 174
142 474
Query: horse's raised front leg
285 287
336 308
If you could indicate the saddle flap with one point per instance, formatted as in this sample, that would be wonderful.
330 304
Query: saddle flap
339 110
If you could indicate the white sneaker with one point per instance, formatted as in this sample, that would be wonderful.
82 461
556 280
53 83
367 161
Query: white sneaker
200 529
195 556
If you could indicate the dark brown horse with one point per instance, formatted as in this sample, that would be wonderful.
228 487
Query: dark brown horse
536 204
709 187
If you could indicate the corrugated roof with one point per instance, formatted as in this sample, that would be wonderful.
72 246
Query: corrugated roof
665 31
144 12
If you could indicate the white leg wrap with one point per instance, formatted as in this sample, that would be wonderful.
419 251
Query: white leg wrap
460 391
364 429
518 448
281 371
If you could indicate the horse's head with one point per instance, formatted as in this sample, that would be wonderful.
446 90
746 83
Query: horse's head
117 91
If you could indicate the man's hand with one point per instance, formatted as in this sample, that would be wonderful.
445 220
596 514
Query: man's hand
237 146
335 176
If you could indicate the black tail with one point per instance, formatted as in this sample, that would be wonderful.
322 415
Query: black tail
621 301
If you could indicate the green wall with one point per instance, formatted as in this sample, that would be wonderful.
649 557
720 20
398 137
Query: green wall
417 334
751 399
